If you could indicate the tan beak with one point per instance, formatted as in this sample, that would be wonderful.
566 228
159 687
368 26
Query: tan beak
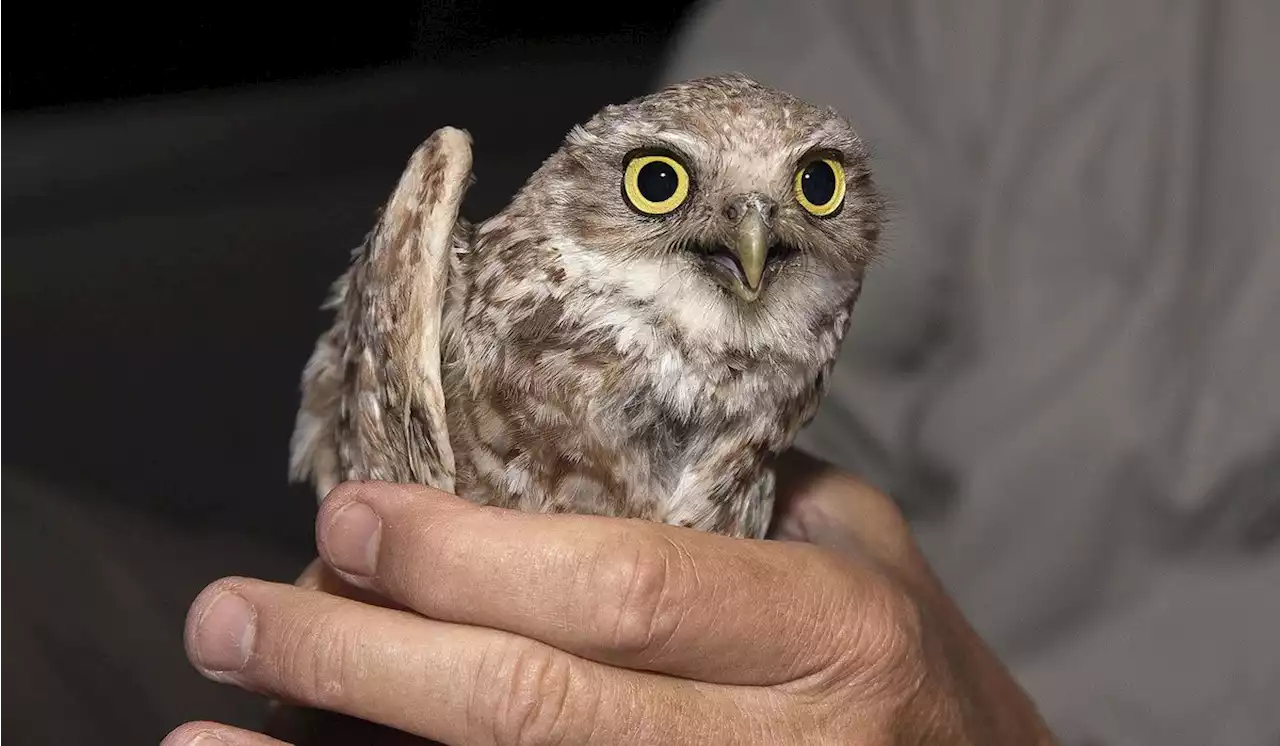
751 245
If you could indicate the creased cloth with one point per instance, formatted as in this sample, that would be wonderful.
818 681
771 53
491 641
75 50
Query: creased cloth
1066 366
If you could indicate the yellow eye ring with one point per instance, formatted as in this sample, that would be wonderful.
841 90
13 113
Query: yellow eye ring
820 186
655 184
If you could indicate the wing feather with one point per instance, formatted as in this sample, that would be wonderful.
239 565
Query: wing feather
373 402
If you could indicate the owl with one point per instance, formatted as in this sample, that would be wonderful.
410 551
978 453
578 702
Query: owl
648 323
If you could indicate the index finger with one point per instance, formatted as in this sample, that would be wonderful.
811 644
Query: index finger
630 593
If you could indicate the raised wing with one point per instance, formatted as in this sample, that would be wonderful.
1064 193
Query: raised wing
372 397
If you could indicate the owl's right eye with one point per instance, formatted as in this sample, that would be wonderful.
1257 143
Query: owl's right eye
655 184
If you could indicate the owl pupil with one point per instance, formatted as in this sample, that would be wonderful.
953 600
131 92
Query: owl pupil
657 181
818 183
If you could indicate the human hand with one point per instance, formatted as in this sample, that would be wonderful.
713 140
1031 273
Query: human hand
540 628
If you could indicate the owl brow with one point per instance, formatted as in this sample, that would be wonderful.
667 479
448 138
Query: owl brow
682 144
815 151
651 148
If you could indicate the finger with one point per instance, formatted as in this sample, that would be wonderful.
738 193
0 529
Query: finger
320 577
216 734
823 505
451 683
630 593
314 576
303 726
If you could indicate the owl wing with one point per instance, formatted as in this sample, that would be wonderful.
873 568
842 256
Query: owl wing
372 396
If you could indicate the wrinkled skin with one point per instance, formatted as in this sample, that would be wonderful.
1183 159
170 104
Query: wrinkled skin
468 624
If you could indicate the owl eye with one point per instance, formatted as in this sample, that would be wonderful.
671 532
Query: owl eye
655 184
820 187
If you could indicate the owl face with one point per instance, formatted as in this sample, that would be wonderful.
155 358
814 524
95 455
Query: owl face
743 232
720 196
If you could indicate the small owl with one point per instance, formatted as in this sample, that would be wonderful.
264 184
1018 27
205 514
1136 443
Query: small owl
649 322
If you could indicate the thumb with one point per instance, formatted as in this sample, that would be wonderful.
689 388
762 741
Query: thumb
821 504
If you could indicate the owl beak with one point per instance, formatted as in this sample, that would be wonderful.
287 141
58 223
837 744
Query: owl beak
751 246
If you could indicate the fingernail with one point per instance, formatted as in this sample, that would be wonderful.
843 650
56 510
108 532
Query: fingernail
351 539
224 638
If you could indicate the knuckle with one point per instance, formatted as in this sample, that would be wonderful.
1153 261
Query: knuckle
887 654
521 694
873 635
636 583
896 623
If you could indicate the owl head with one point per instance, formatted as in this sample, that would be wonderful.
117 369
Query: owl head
728 202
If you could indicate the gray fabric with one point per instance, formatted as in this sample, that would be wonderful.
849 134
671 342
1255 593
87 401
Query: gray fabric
1065 367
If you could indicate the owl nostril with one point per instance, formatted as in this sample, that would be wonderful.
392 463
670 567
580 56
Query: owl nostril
767 208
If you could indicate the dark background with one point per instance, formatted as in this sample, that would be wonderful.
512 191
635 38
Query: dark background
99 53
181 187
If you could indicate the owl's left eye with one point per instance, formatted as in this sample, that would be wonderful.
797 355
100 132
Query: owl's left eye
655 184
820 186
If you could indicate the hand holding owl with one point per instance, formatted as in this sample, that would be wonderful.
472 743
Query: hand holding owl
511 627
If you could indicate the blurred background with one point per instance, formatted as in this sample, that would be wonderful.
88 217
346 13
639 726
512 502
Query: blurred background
1064 368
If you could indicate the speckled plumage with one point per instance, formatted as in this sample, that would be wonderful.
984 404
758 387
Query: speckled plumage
572 355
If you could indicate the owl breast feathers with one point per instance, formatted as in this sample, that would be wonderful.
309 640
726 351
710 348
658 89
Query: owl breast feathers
648 323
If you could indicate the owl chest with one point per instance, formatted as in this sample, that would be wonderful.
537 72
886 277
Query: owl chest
573 402
591 429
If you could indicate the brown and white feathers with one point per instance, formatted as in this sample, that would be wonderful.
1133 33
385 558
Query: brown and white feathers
638 333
